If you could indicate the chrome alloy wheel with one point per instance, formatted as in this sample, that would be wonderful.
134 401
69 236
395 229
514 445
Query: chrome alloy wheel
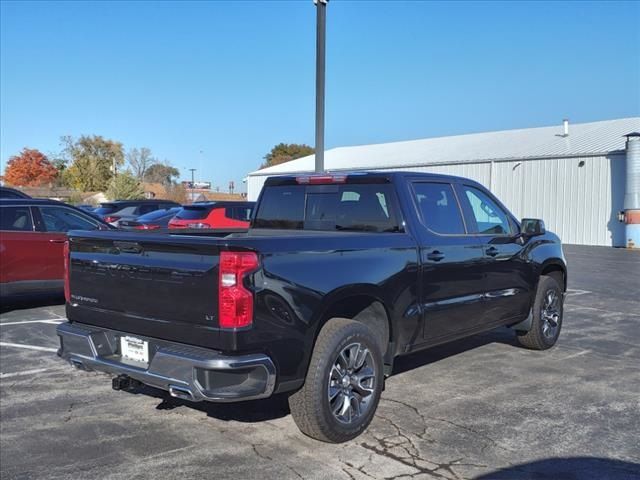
351 383
551 312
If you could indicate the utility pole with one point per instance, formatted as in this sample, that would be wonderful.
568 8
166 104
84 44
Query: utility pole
193 184
321 24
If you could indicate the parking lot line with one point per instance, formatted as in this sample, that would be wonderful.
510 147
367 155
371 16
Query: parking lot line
25 372
572 305
53 321
28 347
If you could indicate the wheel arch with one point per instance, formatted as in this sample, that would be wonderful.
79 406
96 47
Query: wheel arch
365 304
555 269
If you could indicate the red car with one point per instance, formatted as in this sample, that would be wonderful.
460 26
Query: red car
32 238
214 215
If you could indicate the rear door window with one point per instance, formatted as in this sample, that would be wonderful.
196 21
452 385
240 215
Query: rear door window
16 219
438 207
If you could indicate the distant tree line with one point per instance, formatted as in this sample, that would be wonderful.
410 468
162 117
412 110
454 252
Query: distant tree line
92 163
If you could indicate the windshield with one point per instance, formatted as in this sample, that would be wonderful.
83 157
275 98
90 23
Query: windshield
106 208
158 214
358 207
194 212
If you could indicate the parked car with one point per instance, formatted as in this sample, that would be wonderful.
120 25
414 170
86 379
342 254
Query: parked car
6 192
150 221
86 207
214 215
113 212
32 237
337 276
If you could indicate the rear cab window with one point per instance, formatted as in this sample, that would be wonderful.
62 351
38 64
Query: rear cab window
329 207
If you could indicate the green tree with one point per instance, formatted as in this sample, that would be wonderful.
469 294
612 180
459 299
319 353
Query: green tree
161 173
93 161
124 186
285 152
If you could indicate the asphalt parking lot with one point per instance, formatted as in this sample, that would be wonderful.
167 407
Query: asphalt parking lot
480 408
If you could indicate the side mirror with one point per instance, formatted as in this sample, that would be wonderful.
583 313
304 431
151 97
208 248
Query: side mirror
532 226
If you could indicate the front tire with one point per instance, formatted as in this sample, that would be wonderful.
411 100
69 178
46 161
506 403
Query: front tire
547 316
343 384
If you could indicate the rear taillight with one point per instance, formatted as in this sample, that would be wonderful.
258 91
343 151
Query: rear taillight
67 291
235 302
111 218
147 227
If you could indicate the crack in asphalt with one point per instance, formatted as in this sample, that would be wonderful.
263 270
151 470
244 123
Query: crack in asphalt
69 412
411 462
415 410
264 456
473 431
412 457
359 469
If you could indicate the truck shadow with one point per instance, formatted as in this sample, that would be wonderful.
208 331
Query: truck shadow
252 411
434 354
277 406
569 468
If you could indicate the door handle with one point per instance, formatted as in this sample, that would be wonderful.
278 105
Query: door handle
492 251
56 240
435 256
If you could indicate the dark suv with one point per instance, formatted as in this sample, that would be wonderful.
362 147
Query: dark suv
6 192
113 212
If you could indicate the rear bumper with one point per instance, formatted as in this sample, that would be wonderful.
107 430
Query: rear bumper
187 372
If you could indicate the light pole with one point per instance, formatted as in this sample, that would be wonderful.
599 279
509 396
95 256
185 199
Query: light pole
193 185
321 23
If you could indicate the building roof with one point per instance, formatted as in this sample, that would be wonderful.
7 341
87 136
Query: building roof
593 138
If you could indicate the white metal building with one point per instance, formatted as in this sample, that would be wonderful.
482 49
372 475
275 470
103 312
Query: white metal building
572 176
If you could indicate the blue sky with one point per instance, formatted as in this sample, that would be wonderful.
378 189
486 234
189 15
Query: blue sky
231 79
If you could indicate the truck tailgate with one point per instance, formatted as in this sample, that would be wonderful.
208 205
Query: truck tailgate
162 286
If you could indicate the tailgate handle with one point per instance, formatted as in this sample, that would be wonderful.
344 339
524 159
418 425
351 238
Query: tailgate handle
128 247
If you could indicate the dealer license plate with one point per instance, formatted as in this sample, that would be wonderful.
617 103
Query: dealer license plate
135 349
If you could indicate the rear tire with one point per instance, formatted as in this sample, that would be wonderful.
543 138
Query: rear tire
547 316
343 384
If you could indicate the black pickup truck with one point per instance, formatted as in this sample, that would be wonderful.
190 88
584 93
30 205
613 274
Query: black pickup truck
336 276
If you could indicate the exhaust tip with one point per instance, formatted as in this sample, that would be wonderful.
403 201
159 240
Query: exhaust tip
180 392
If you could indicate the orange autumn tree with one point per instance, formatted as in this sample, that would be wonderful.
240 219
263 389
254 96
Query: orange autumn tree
29 169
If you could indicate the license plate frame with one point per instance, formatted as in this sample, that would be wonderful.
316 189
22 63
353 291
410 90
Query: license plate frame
134 349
